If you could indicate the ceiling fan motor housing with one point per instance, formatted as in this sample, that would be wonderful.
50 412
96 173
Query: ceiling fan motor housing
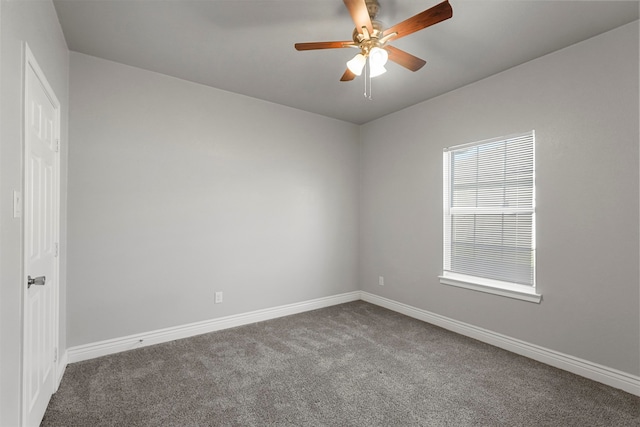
373 7
361 36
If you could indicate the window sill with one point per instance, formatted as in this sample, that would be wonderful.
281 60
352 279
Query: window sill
521 292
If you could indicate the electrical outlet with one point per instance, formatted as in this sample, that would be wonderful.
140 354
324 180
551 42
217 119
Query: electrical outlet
380 280
218 299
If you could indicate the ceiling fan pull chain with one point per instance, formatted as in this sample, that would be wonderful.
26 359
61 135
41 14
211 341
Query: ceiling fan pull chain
367 80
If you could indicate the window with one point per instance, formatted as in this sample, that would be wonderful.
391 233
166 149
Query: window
489 216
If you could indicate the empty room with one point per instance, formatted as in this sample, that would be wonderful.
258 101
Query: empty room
319 212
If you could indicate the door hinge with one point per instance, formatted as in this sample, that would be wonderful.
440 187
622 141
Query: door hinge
55 355
56 249
57 145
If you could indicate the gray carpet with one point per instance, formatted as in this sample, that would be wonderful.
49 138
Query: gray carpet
354 364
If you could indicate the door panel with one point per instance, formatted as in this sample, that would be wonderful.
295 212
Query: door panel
40 236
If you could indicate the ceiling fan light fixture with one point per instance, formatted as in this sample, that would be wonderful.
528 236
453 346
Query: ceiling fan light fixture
378 57
376 70
356 64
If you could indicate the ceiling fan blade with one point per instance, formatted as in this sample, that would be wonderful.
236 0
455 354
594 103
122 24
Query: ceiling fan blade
359 14
347 76
405 59
437 13
323 45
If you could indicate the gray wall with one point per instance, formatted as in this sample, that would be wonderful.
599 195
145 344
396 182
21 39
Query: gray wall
583 104
179 190
36 23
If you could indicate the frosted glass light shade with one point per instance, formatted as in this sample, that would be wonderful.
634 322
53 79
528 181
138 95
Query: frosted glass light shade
376 70
378 57
356 64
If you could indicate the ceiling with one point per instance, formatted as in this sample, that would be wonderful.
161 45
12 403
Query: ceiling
246 46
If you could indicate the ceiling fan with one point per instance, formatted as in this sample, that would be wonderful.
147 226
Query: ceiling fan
370 37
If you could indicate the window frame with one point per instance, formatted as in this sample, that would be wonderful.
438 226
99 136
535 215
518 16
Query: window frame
476 283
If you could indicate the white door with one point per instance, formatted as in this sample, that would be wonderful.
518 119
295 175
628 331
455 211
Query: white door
41 190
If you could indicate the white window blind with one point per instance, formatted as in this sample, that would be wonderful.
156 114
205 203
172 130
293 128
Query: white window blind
489 211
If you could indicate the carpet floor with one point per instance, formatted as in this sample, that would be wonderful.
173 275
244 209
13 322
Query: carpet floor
353 364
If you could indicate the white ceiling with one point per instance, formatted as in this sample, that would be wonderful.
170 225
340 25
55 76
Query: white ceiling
246 46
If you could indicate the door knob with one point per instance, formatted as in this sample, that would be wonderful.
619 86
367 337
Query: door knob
38 281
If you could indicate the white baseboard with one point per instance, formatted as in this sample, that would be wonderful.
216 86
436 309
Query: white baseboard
609 376
116 345
62 366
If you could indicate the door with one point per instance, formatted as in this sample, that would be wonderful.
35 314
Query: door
41 190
